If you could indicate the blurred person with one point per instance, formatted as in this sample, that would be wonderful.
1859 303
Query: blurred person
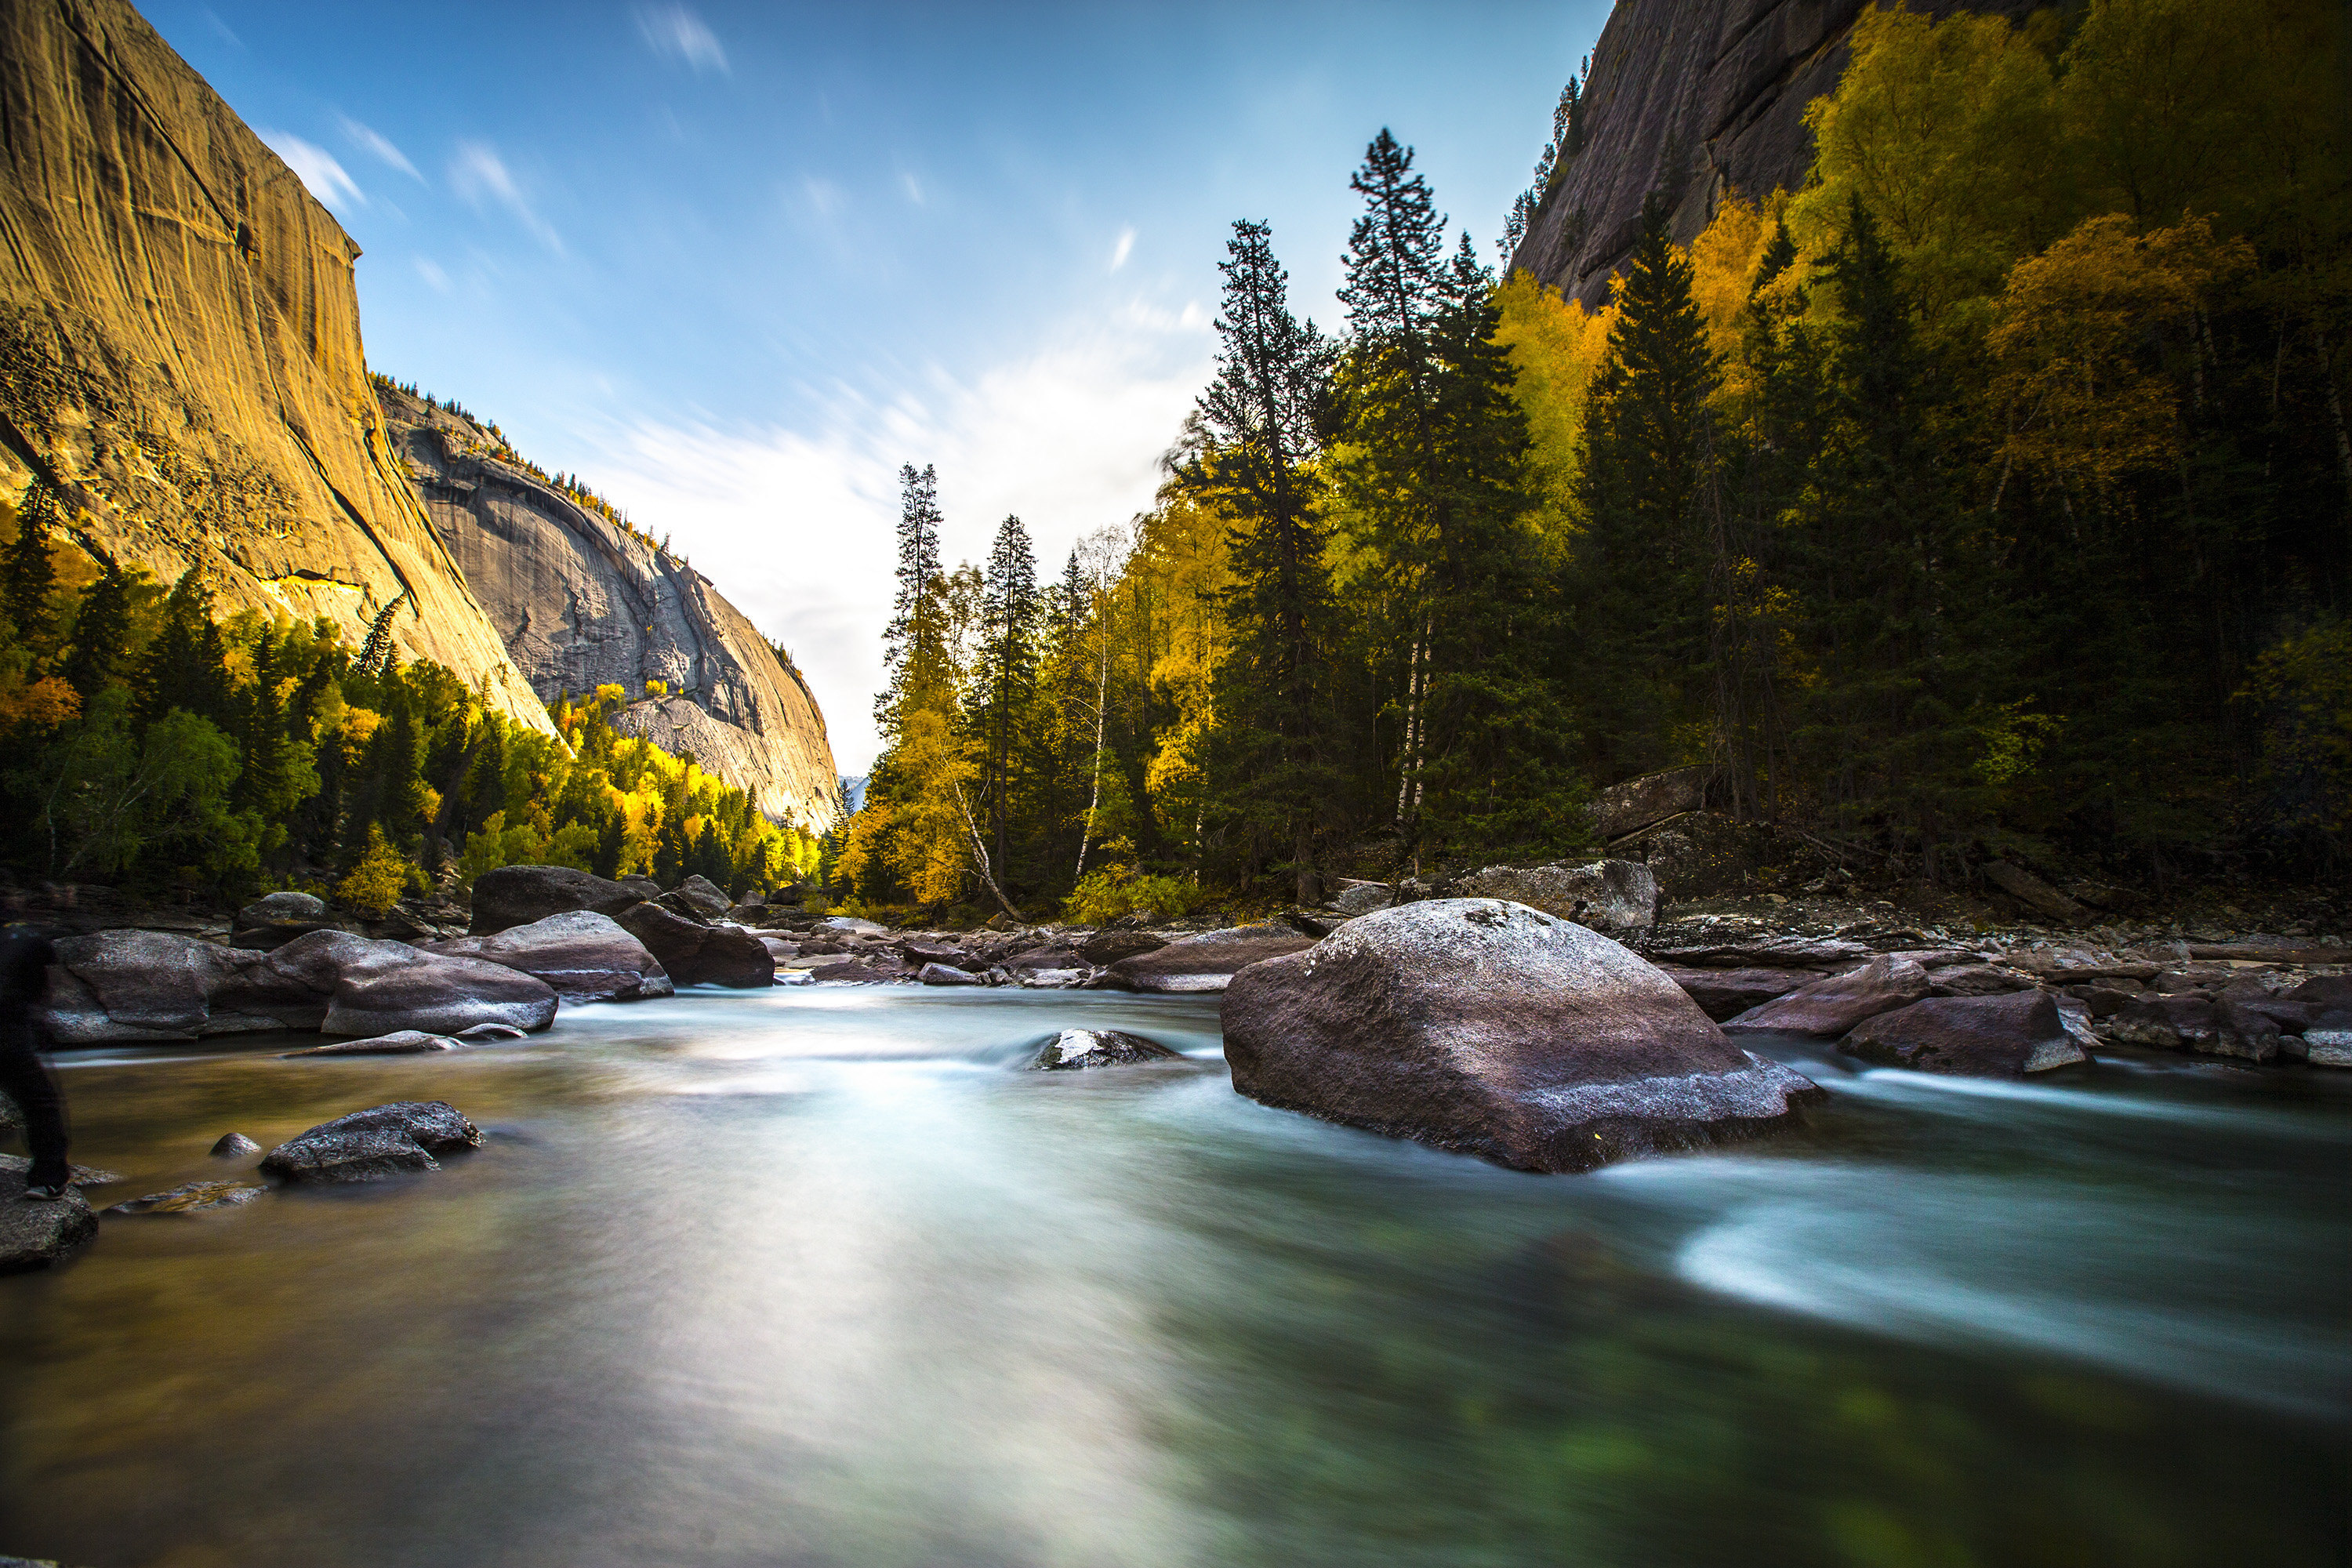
24 959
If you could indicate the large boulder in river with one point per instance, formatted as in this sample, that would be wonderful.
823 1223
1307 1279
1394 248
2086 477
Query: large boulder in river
384 987
1205 962
158 985
1618 897
699 899
1832 1007
276 919
693 953
1970 1037
1491 1029
585 956
371 1145
518 895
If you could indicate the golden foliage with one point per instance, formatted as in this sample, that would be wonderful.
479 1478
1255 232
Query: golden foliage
1555 345
376 883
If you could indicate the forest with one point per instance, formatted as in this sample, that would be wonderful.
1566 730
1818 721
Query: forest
1990 495
158 744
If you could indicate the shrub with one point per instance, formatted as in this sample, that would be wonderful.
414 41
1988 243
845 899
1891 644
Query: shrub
376 883
1114 890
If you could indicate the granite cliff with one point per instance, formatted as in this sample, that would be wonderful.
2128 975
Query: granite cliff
179 350
583 602
1693 99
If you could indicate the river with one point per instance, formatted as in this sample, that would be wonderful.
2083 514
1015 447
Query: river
820 1277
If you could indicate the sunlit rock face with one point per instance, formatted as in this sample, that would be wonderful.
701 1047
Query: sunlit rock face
583 602
179 350
1693 99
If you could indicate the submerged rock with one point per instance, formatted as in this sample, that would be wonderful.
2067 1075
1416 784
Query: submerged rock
405 1043
1205 962
1490 1028
234 1146
192 1198
585 956
371 1145
1075 1049
1834 1005
1970 1037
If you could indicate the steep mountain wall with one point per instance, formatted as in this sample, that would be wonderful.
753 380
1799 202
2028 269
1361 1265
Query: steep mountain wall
180 348
582 603
1693 99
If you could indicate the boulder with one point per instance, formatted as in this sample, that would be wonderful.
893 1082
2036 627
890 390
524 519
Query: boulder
276 919
1624 808
36 1235
158 985
191 1198
1075 1049
1108 947
697 897
585 956
1205 962
1362 898
518 895
1831 1006
2032 892
371 1145
405 1043
1049 979
1970 1037
2193 1021
1492 1028
1727 992
234 1146
75 1176
943 975
1030 959
696 954
1614 896
856 972
1975 980
384 987
918 951
780 950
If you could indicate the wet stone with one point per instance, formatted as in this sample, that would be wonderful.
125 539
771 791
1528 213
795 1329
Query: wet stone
1075 1049
192 1198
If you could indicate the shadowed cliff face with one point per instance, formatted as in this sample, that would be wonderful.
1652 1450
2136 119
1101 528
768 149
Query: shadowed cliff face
1693 99
582 603
180 349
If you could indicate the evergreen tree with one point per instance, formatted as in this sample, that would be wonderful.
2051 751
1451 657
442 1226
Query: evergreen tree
101 631
612 842
1010 617
26 574
186 664
1639 589
1256 431
906 641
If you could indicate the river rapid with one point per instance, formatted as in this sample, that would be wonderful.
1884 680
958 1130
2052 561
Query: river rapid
821 1276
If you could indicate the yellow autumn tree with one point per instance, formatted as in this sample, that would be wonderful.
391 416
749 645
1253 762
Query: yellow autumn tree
1555 345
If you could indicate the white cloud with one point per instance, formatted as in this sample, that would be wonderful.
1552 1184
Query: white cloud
375 144
912 186
676 31
325 177
434 278
1123 250
796 526
477 174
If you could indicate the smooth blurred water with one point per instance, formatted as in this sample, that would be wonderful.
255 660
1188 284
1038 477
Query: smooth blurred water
823 1277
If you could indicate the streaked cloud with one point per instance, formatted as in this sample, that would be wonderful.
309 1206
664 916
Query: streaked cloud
1123 250
378 146
481 177
797 525
435 277
326 178
678 33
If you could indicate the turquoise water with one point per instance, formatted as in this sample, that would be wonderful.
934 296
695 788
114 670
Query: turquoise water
820 1277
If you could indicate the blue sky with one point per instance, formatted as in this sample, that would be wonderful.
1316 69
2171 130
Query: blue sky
735 263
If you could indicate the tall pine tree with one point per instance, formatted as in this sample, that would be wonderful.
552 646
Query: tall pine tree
1011 616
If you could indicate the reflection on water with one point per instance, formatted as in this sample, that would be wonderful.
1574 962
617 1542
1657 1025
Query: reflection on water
820 1277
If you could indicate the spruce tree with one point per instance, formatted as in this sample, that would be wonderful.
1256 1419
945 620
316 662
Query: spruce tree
1010 615
1256 430
1640 577
186 663
101 629
26 574
905 641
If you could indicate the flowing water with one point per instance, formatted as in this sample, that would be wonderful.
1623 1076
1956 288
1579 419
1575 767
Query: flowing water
821 1276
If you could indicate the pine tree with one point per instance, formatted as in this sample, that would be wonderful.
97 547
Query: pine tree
906 642
1641 573
612 842
26 574
1011 612
1256 431
186 664
102 630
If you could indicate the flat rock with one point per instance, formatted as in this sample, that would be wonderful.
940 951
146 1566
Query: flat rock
192 1198
518 895
1615 896
692 954
855 971
946 974
1050 979
371 1145
36 1235
1204 961
1108 947
1075 1049
404 1043
1727 992
586 957
916 951
1975 980
1626 807
1970 1037
1832 1005
1491 1029
1764 952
